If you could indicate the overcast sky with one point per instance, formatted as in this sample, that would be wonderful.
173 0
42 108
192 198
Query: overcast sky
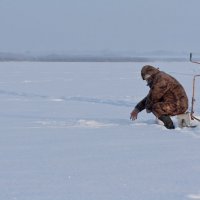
99 25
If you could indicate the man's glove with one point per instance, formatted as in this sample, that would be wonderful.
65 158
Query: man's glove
134 114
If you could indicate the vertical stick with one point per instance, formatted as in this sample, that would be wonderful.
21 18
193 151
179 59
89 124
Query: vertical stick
192 60
193 93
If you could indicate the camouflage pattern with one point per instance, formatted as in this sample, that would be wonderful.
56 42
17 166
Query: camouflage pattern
166 95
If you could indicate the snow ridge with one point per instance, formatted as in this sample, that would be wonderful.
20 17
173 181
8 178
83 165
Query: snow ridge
113 102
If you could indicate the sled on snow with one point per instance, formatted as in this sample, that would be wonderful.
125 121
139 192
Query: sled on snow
186 120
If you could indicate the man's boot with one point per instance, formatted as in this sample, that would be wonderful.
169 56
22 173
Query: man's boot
168 123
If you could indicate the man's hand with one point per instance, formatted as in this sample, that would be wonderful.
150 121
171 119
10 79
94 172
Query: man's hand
134 114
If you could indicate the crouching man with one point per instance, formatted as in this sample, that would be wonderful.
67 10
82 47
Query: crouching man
166 96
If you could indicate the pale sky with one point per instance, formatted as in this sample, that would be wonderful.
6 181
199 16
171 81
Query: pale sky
98 25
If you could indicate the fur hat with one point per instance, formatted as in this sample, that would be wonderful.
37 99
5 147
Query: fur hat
147 71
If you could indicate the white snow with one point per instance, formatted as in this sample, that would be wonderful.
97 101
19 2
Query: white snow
65 133
194 196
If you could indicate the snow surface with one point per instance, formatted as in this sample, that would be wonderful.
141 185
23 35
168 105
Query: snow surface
65 134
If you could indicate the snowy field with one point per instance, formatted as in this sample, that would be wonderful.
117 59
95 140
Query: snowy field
65 134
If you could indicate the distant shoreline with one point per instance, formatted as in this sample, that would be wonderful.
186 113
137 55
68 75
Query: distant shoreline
91 59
